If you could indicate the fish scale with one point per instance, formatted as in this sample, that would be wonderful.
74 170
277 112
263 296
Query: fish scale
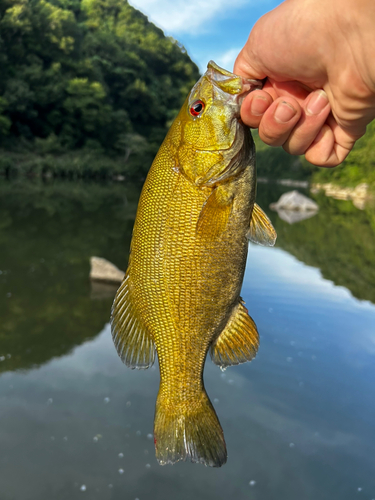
181 291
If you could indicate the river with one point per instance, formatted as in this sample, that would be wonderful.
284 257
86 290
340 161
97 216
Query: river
75 423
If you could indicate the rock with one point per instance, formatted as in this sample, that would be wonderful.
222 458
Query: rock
359 195
103 270
293 216
293 200
101 290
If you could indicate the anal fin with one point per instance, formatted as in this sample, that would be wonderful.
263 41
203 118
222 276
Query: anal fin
134 344
261 230
239 340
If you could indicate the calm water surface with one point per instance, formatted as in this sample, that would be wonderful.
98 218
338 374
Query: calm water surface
75 423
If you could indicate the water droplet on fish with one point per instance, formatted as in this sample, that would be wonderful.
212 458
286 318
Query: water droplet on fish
121 455
106 400
289 359
49 401
292 342
2 358
9 295
138 433
121 471
9 356
65 438
95 438
291 445
252 482
148 466
359 489
52 438
216 400
150 436
128 403
83 487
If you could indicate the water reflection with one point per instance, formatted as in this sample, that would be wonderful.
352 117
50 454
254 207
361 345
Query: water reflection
47 235
298 420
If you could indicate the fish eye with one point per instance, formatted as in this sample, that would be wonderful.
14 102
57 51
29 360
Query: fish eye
197 108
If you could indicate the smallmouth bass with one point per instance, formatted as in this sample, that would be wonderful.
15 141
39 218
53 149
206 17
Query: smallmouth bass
181 292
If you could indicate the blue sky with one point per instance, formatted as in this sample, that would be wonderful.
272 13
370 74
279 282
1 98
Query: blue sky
209 29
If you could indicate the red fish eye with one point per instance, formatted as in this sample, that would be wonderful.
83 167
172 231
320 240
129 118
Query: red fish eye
196 108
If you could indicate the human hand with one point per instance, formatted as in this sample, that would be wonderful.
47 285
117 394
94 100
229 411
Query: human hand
320 89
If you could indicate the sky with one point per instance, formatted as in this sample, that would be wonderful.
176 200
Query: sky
208 29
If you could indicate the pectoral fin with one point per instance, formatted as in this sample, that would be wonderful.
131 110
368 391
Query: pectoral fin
239 340
133 343
215 213
261 229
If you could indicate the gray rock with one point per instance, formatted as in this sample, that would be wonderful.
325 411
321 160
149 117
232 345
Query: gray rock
293 216
103 270
293 200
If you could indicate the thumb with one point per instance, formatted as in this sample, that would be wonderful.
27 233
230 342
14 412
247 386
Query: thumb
245 64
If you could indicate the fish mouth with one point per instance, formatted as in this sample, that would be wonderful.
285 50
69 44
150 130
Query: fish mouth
234 86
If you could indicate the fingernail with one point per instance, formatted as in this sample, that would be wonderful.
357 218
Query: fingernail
259 105
318 101
284 112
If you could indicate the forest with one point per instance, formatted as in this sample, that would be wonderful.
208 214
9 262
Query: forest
89 88
86 85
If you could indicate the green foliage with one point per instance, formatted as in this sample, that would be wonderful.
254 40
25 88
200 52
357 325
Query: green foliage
78 73
358 167
275 163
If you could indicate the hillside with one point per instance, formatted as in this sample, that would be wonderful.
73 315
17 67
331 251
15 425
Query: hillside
92 76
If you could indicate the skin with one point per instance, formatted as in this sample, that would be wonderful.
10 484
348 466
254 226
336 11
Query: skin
319 96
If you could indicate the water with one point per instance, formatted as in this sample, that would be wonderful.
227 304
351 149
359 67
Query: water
76 423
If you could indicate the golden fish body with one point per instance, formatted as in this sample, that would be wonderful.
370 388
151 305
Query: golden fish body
181 292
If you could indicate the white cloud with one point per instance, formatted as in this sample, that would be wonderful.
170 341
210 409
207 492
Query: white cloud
181 16
227 59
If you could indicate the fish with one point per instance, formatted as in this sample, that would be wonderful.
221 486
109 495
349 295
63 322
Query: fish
180 296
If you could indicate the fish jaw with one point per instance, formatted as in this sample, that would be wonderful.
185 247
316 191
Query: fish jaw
232 84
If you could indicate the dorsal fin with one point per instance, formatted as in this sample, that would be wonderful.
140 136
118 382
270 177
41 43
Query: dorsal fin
261 230
239 340
133 343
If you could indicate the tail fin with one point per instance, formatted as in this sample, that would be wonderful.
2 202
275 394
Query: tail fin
194 434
